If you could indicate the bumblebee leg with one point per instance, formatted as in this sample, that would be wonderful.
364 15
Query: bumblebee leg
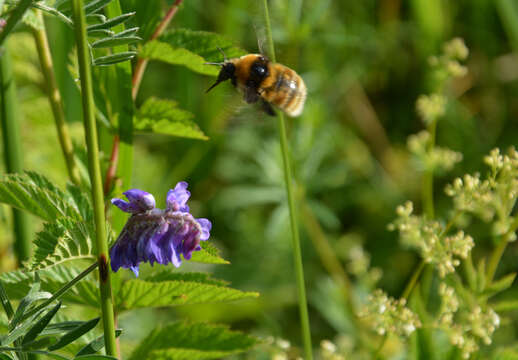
267 107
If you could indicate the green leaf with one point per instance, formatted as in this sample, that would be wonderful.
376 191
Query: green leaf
36 194
95 345
115 41
499 285
95 5
64 240
95 357
40 325
100 33
115 58
127 32
86 292
164 117
111 23
139 293
208 254
74 334
19 330
506 354
191 49
505 305
192 341
169 275
33 296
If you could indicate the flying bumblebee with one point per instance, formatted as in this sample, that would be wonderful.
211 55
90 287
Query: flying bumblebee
260 79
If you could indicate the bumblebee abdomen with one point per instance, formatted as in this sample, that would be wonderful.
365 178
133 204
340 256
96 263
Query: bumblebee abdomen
286 90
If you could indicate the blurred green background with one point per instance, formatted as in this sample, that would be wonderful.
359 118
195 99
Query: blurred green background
364 64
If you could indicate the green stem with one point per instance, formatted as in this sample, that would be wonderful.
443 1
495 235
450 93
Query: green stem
15 17
56 103
13 151
413 280
497 253
95 175
58 294
297 255
428 177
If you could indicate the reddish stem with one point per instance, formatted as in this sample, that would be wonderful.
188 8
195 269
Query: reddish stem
112 168
142 63
138 73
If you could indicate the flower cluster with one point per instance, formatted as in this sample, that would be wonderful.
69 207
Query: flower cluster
431 107
155 235
449 63
428 237
432 158
491 197
465 326
388 315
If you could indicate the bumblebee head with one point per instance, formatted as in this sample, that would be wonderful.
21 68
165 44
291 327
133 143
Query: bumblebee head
227 72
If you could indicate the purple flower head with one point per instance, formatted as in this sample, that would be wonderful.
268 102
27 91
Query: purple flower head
155 235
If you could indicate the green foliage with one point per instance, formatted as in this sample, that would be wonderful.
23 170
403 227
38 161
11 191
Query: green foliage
182 341
139 293
191 49
165 117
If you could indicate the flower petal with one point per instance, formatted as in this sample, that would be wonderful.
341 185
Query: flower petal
142 199
177 197
206 225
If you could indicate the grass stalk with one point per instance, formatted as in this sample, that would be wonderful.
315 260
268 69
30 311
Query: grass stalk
297 254
13 157
56 102
95 175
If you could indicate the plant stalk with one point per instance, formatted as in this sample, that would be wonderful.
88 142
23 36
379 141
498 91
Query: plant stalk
56 102
13 157
297 254
498 252
83 56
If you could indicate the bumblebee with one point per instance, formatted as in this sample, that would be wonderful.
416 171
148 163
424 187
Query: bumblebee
260 79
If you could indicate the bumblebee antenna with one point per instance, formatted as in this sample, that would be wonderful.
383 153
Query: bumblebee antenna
213 63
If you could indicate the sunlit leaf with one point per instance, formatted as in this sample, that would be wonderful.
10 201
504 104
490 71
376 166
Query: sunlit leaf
164 117
192 341
139 293
208 254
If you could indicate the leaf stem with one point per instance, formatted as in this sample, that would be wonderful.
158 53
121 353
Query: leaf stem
413 280
427 189
15 17
56 102
498 252
83 56
61 291
13 151
297 255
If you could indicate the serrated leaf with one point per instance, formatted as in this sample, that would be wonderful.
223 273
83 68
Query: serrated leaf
86 292
40 325
164 117
138 294
192 341
107 24
115 58
161 51
35 194
209 254
169 275
95 345
115 41
499 285
74 334
64 240
191 49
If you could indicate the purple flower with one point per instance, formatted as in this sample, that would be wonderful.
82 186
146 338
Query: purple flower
157 235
